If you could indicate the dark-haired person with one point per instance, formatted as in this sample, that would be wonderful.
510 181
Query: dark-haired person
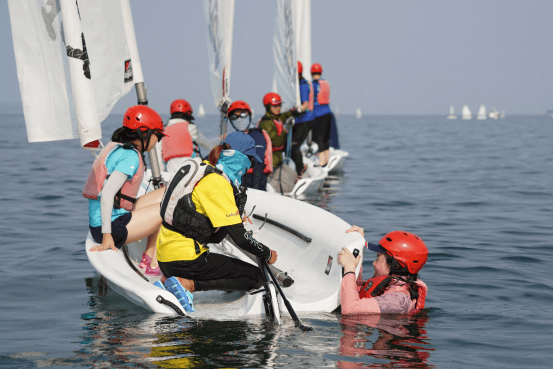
202 205
184 138
116 217
240 116
394 287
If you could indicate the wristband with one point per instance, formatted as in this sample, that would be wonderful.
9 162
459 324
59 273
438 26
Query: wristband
347 274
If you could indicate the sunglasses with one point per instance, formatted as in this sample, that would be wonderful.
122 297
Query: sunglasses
241 115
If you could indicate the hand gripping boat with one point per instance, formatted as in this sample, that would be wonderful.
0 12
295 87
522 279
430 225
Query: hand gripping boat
306 238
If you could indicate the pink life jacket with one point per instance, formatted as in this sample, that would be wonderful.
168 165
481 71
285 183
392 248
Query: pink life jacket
268 161
126 197
323 97
178 142
279 128
311 97
378 286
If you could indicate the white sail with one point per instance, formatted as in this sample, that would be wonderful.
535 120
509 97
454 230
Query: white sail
285 80
494 114
482 113
465 113
303 34
358 114
220 17
451 113
201 111
53 53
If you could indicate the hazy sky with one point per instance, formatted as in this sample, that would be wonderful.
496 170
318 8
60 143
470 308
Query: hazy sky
384 57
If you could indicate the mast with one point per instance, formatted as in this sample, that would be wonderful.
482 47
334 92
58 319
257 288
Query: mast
219 15
138 78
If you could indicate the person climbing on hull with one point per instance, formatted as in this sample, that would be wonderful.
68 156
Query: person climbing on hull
321 113
116 217
203 204
184 139
395 287
304 122
283 177
240 116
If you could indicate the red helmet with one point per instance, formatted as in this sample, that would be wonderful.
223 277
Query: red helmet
182 106
407 249
143 118
316 68
239 105
300 67
272 98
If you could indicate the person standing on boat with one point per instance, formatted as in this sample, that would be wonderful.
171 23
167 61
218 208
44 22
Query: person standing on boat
184 139
283 177
116 217
203 204
321 113
240 116
304 122
394 287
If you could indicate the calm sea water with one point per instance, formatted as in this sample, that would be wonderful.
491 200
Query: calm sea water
479 193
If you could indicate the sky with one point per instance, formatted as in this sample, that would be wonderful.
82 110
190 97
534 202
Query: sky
383 57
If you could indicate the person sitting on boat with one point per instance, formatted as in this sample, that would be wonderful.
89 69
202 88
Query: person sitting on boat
321 113
184 139
304 122
115 216
202 205
394 287
283 178
240 117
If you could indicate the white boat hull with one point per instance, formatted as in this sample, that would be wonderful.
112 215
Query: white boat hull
306 238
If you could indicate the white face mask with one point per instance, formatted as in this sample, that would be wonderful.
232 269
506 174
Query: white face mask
241 124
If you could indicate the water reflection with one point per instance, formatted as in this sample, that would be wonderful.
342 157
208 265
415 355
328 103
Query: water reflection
382 341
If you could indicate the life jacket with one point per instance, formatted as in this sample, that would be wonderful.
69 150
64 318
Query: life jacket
178 142
268 161
323 94
126 197
279 127
178 211
378 286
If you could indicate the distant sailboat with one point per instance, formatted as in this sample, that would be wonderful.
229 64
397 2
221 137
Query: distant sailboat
502 115
494 114
358 114
482 113
465 113
451 113
201 111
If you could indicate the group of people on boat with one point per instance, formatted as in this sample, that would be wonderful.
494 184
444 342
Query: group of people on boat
205 200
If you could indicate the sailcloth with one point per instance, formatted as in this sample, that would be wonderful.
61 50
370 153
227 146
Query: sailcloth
220 18
285 80
303 34
73 65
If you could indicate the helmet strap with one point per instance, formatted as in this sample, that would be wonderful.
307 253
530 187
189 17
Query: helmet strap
144 137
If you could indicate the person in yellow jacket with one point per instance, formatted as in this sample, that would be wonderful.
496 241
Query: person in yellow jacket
200 206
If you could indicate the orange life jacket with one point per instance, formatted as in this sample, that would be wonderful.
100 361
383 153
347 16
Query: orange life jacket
268 161
323 96
378 286
178 142
126 197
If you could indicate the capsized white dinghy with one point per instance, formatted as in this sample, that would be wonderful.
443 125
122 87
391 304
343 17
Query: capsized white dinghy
306 238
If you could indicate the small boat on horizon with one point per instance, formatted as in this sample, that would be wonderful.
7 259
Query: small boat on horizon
465 113
358 114
201 111
482 113
451 113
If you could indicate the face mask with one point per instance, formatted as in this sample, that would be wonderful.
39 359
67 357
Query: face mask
234 164
241 123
